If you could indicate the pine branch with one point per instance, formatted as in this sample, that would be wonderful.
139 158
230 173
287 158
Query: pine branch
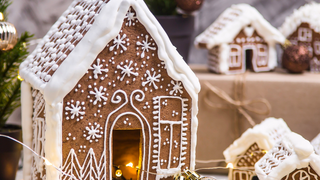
162 7
9 84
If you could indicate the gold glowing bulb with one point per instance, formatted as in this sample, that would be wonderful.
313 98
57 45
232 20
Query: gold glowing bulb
1 16
230 165
265 151
129 164
118 173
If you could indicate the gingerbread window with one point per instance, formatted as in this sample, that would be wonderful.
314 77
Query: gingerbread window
316 46
235 54
171 146
262 53
305 34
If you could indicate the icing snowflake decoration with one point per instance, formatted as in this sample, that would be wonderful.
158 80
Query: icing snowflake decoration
119 42
98 94
145 46
93 132
176 87
97 69
75 110
151 79
127 70
130 16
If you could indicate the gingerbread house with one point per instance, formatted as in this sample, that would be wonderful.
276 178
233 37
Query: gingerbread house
302 27
291 159
107 96
239 39
251 146
316 144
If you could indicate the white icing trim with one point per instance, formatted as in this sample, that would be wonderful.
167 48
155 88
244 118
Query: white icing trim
259 134
26 119
301 154
54 136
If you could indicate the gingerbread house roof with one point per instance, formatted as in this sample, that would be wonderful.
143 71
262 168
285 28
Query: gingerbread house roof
293 152
265 135
232 21
309 13
80 34
316 144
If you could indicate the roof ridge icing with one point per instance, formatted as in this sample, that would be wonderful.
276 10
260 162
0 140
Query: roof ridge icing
225 28
73 43
309 13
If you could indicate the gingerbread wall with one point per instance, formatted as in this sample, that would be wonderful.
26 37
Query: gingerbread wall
304 35
303 173
127 87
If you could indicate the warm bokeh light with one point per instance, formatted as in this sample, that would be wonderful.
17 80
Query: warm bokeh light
118 173
230 165
129 164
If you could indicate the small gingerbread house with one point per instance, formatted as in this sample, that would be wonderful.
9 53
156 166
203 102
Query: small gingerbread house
302 27
293 158
107 96
251 146
316 144
239 39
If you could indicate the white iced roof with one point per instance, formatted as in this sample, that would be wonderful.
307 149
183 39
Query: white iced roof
316 144
265 135
293 152
309 13
80 34
230 23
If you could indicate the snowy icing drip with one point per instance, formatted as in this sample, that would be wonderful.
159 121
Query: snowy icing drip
308 13
316 144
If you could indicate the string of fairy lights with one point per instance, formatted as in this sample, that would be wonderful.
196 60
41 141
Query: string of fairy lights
185 175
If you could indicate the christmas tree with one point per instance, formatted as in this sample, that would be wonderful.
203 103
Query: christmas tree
9 67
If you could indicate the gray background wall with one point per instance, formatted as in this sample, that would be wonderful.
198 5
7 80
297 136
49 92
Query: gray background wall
37 16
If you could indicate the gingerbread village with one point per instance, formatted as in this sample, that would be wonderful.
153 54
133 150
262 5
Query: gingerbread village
105 95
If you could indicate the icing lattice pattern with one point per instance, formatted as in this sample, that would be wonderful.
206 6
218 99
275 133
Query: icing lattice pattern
274 158
62 38
249 159
38 139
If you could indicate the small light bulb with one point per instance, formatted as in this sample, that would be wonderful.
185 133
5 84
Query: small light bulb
118 173
129 164
47 162
230 165
265 151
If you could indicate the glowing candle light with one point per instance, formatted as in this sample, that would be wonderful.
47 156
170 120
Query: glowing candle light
230 165
129 164
118 173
